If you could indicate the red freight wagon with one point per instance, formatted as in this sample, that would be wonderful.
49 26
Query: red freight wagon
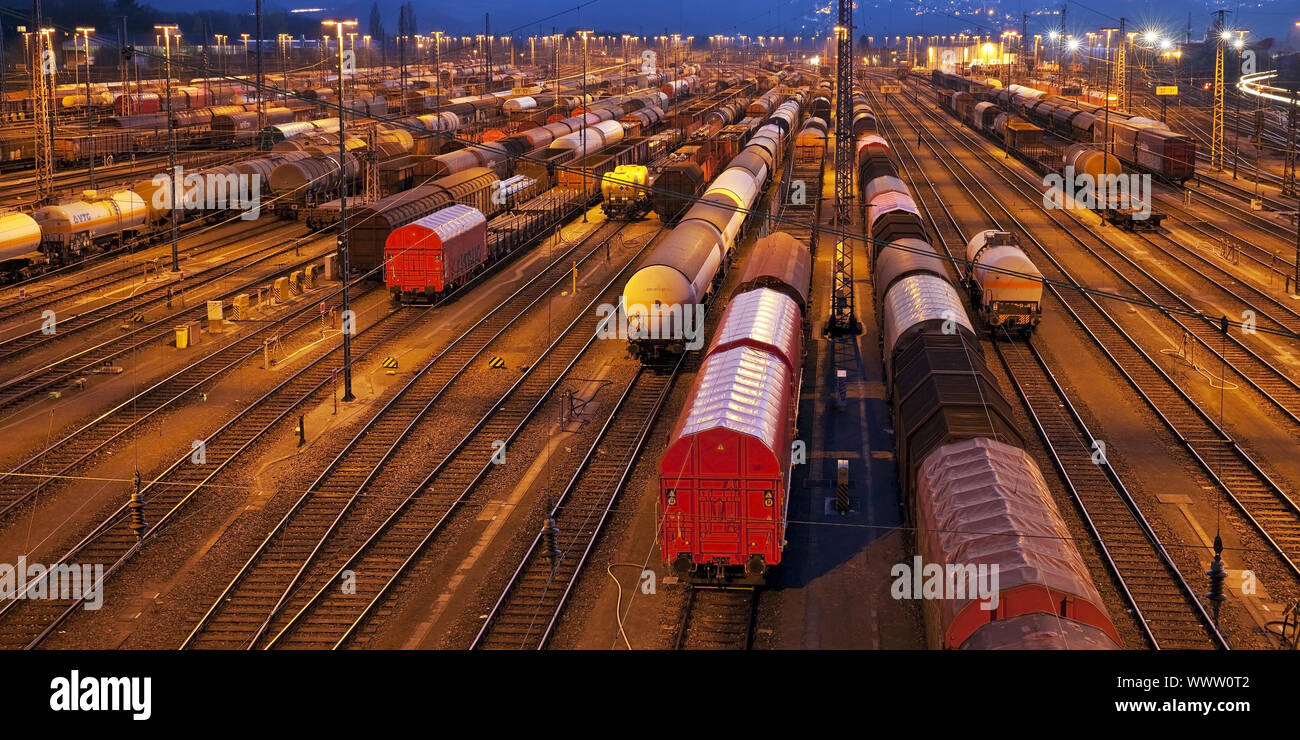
134 104
778 261
724 479
764 319
436 253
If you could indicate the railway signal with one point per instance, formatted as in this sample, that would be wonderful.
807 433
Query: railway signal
1164 92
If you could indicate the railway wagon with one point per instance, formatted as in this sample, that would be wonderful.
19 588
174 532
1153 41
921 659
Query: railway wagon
132 103
725 476
308 180
435 253
625 192
680 87
1151 147
724 480
240 128
71 148
1017 134
20 243
1005 286
69 228
679 182
984 496
960 105
946 402
812 133
820 107
16 150
586 174
983 115
781 263
591 139
137 122
372 223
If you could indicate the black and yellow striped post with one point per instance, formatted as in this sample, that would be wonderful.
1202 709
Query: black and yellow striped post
842 486
496 363
390 365
137 510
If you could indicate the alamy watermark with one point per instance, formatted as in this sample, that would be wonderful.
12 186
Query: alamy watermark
1074 190
77 693
953 581
211 191
64 581
636 322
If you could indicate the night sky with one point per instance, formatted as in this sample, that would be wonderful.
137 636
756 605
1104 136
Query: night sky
774 17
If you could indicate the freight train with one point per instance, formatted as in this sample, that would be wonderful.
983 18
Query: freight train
975 496
724 480
428 258
62 233
682 273
682 178
1141 143
1115 195
372 224
499 155
65 232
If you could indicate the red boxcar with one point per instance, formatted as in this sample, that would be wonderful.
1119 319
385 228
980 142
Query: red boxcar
192 97
135 104
725 478
436 253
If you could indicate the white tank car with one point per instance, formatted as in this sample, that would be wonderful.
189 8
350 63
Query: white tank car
75 226
599 136
20 241
444 122
680 273
1005 286
677 277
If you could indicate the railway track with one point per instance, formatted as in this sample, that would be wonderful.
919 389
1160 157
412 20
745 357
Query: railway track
260 605
86 284
66 457
25 385
1167 607
1265 504
804 165
154 297
1251 244
717 619
26 623
530 606
1275 385
1231 188
19 191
